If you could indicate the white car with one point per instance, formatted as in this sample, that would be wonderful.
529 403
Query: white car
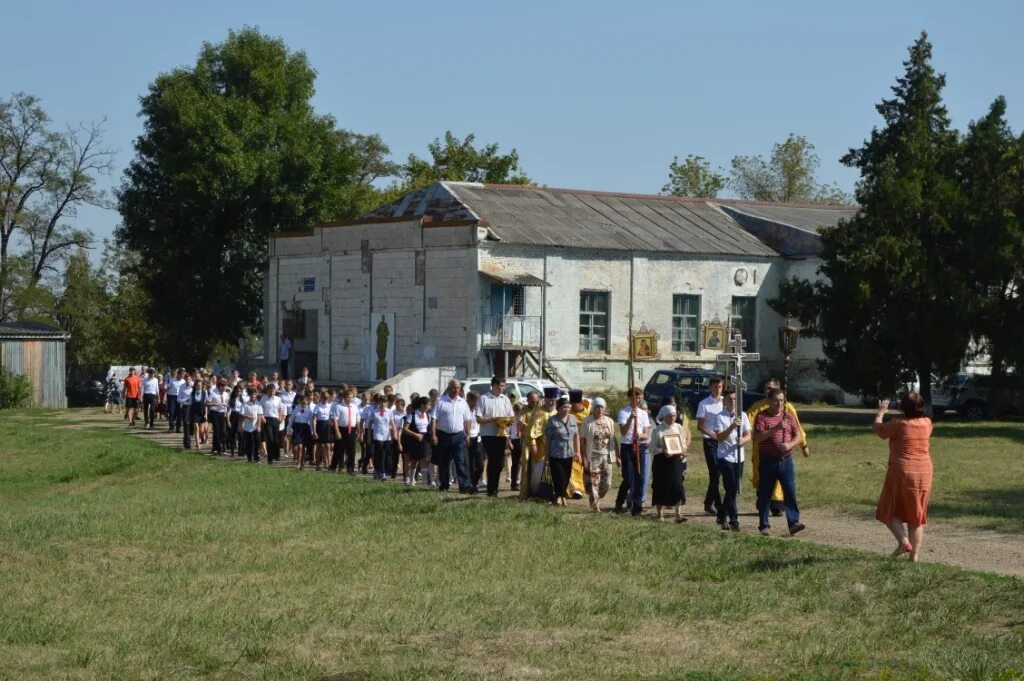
516 387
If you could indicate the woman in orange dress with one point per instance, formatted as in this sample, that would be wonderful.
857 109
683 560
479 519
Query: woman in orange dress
908 481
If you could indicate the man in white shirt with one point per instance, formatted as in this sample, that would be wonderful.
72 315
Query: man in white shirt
173 409
452 422
184 410
494 409
731 431
707 412
287 396
345 417
634 424
284 353
365 437
217 404
150 395
273 413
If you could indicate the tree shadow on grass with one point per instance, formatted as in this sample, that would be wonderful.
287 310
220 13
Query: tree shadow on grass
1009 431
1004 502
776 563
946 431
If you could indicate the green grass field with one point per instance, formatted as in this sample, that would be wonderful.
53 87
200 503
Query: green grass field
121 559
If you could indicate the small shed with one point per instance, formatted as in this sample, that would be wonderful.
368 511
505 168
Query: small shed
36 350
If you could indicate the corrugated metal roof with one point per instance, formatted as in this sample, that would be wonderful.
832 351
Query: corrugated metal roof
437 201
29 330
572 218
807 217
580 219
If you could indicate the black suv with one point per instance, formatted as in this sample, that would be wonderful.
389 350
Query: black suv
688 386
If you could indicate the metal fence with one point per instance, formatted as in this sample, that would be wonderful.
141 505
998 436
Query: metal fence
511 331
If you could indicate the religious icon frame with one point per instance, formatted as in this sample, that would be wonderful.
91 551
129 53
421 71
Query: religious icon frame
712 330
673 444
645 343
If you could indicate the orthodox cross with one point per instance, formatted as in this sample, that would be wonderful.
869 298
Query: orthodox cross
738 357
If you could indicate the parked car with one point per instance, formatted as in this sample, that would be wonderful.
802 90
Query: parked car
516 387
87 393
688 385
966 394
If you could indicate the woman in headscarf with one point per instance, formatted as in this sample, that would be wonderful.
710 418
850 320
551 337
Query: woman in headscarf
668 446
597 436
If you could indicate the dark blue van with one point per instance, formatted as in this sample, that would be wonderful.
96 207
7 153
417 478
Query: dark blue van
688 386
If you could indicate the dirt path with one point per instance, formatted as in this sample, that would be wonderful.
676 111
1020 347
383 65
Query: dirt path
980 550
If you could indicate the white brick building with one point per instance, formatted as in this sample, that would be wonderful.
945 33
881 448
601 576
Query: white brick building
456 273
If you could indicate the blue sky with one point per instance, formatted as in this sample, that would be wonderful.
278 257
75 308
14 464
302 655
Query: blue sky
595 95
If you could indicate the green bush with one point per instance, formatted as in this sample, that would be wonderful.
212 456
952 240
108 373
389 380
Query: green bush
15 390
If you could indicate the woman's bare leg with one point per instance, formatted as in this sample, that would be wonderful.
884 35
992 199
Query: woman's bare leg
916 537
900 533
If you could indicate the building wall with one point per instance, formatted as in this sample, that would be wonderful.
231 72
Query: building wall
42 361
656 278
429 278
404 268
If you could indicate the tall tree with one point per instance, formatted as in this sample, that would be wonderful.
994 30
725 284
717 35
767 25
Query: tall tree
81 310
45 177
990 171
232 148
459 160
788 175
693 177
896 277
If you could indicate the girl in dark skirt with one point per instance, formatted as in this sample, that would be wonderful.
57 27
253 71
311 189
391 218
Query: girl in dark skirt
668 465
200 392
235 405
416 443
322 432
302 433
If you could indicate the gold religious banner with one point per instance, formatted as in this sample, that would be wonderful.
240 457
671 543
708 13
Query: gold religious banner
716 335
673 444
645 343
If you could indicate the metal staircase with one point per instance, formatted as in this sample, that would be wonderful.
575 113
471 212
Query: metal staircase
549 370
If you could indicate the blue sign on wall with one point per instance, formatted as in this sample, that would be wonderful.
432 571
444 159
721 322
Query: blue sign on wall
309 285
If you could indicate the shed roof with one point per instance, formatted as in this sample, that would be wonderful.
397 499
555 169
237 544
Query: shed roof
575 218
30 330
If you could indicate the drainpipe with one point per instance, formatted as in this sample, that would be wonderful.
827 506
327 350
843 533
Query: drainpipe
543 317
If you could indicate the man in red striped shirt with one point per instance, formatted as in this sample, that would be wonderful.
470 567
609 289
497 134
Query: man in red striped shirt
777 433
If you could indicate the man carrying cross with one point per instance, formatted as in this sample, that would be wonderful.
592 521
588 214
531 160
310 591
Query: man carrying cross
731 429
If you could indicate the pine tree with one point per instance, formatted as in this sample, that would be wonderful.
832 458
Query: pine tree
897 281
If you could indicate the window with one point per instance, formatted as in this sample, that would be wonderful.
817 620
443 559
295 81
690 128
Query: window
744 320
685 322
593 321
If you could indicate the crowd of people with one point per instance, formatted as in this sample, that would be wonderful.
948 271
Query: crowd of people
549 447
